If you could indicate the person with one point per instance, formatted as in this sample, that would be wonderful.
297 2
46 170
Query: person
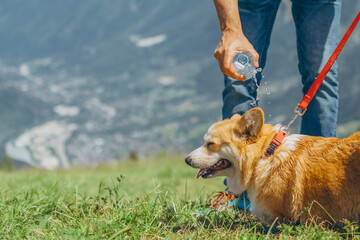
246 25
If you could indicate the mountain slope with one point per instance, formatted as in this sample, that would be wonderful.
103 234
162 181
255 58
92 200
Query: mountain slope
134 75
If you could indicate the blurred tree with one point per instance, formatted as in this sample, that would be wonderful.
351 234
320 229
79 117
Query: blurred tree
7 164
133 155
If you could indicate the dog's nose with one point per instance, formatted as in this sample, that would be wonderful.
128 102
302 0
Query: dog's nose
188 160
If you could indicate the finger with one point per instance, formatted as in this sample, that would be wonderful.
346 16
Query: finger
256 60
238 76
256 63
227 64
231 73
217 55
227 67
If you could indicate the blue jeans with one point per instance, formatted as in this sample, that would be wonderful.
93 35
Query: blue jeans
317 31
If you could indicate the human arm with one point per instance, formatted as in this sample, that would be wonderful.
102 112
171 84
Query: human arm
232 38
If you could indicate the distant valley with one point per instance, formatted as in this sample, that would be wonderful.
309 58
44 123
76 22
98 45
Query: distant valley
84 82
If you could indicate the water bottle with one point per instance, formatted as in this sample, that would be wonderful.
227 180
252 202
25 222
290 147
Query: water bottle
242 62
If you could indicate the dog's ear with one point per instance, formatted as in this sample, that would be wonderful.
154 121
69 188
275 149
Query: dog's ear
250 124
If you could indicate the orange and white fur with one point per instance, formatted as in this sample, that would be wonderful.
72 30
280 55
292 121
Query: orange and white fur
304 171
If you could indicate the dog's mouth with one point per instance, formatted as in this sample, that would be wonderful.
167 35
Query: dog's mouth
210 171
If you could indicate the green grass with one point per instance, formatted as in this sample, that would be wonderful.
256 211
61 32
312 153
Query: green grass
141 200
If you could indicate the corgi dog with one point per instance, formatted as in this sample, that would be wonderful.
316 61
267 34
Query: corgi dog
319 174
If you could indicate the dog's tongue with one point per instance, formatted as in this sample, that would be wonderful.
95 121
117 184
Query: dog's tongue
201 172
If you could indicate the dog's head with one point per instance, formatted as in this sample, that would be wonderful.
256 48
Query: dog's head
228 144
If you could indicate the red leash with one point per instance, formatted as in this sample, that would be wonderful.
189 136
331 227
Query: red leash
302 106
320 78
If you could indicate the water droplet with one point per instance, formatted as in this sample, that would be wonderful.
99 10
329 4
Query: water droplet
265 82
267 89
268 102
267 93
269 115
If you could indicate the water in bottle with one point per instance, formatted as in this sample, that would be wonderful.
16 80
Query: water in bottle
242 62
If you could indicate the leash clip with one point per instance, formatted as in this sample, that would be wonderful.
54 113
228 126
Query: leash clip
299 112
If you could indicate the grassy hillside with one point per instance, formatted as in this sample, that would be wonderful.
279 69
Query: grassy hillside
152 199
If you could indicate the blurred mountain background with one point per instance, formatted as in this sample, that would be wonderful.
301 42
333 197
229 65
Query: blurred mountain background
84 82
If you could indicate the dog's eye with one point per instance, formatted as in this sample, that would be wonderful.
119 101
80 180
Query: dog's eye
209 144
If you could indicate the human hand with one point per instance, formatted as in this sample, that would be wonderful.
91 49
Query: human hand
230 43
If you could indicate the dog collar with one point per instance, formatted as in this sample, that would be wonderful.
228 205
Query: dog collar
277 140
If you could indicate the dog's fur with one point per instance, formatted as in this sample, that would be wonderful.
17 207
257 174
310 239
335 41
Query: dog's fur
317 173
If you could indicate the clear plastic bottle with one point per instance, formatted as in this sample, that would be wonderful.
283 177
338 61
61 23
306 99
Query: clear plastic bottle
242 62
